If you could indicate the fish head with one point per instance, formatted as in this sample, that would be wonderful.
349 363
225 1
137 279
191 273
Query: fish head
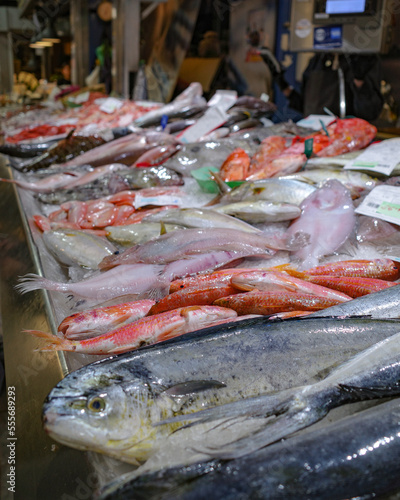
102 409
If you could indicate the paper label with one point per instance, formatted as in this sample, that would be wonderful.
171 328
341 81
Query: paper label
160 200
214 117
381 157
383 202
110 105
80 98
314 121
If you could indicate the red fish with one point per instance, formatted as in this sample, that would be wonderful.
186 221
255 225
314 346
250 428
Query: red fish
352 286
274 302
236 166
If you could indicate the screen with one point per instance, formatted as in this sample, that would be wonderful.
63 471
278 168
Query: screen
345 6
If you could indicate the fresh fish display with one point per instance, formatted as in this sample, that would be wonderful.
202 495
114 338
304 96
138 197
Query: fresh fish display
382 304
94 322
271 302
354 287
71 178
26 150
128 394
179 244
125 150
357 182
329 207
260 211
63 151
284 164
130 234
76 247
274 280
236 166
384 269
200 218
144 331
123 280
354 457
371 374
205 295
277 190
114 182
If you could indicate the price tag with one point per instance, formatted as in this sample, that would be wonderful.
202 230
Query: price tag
381 157
110 105
383 203
160 200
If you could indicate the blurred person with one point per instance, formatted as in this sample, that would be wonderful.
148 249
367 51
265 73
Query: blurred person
321 84
65 78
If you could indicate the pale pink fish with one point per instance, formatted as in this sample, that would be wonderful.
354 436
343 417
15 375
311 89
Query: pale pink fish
134 279
96 173
283 165
144 331
47 184
95 322
326 222
156 156
125 150
275 280
75 211
181 244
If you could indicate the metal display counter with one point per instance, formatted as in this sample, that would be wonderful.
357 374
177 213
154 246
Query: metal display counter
43 469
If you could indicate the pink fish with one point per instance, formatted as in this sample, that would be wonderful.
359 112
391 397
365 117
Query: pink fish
145 331
326 221
95 322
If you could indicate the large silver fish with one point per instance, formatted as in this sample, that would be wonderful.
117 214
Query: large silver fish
111 406
371 374
354 457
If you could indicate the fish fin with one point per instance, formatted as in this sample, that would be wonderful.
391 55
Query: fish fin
163 229
192 387
289 269
53 343
366 393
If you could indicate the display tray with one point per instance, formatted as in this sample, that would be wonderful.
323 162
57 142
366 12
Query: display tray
44 469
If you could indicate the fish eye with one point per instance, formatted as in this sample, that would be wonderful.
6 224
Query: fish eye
96 404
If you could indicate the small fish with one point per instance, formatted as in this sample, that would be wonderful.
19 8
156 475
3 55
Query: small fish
76 247
285 164
179 244
123 280
278 190
274 280
384 269
354 287
220 276
329 207
256 302
144 331
201 218
260 211
98 321
130 234
200 296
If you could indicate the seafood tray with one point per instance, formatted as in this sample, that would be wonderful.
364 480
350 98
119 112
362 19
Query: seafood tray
44 468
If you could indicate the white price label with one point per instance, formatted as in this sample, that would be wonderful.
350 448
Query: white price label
110 105
381 157
383 202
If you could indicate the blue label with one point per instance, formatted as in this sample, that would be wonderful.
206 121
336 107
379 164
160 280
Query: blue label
328 37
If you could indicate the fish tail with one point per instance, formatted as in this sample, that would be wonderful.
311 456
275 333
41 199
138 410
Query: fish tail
289 269
31 282
53 343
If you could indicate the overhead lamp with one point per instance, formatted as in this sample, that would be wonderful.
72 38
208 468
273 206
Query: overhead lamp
49 34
